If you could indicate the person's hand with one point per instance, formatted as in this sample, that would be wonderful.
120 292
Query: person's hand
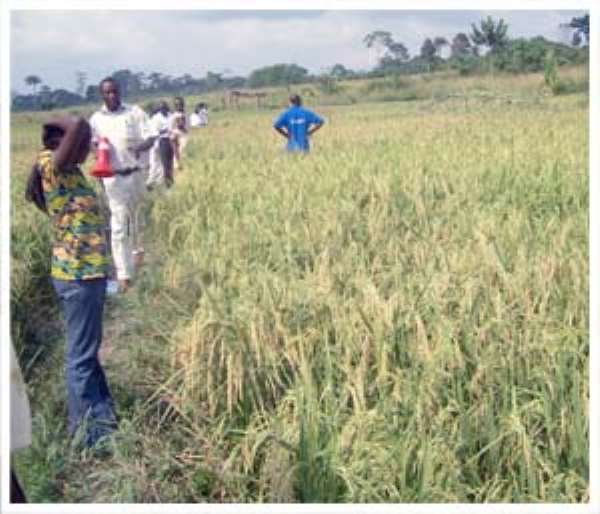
135 151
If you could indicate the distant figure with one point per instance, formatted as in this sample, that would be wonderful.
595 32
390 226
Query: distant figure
296 124
161 153
199 118
178 130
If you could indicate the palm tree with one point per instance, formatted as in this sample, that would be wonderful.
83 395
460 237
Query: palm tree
490 34
439 43
33 81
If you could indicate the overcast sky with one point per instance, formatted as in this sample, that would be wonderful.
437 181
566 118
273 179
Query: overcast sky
56 44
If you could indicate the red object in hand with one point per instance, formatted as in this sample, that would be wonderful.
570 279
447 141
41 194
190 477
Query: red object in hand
103 169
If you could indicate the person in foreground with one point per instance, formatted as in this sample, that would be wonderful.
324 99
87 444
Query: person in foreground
127 129
78 270
296 124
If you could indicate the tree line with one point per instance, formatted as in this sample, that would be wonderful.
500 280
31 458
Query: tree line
486 47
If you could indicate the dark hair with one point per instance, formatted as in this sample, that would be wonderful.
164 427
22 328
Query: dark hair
108 79
296 100
34 190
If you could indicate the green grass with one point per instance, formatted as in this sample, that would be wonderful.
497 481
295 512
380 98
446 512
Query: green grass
400 316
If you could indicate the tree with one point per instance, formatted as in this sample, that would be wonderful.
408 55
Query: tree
213 80
378 40
582 29
33 81
339 71
398 52
80 79
461 46
278 75
427 50
392 54
490 34
439 43
92 94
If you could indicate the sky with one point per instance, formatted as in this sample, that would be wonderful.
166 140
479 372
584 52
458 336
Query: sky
55 44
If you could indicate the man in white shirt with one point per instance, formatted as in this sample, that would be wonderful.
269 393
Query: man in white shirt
130 137
199 118
161 154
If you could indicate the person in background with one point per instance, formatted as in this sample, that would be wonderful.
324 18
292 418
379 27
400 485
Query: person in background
20 423
178 130
297 124
161 154
199 118
128 131
79 268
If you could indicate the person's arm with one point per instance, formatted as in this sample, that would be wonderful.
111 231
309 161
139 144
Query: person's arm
280 125
148 132
314 128
283 132
316 123
65 155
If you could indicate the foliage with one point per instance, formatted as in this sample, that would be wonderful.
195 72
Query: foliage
277 75
461 46
392 54
581 26
528 55
490 34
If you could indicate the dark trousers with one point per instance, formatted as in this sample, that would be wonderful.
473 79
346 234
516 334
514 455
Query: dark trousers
165 150
16 492
89 402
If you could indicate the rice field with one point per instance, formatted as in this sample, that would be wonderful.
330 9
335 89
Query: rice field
399 316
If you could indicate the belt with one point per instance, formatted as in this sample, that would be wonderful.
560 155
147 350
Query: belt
126 171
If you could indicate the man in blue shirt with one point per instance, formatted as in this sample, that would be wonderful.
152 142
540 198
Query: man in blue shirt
297 124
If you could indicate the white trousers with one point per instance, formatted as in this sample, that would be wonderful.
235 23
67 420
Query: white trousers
156 174
124 195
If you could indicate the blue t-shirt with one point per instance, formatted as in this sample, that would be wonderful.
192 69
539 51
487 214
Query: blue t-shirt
297 121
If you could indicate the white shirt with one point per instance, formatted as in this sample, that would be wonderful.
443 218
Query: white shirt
199 119
160 124
126 127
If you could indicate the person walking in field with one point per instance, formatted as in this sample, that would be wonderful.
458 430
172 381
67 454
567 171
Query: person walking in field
297 124
78 270
199 118
178 130
127 128
161 154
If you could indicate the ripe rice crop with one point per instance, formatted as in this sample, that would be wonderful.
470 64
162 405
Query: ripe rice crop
399 316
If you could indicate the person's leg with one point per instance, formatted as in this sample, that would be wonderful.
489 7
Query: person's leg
16 491
166 157
138 219
182 139
88 397
120 220
156 173
175 148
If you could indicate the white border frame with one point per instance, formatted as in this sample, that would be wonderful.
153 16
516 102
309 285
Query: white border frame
593 507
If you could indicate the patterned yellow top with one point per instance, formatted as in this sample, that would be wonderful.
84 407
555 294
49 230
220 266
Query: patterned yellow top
79 246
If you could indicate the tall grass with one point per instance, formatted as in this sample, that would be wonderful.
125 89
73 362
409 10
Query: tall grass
400 316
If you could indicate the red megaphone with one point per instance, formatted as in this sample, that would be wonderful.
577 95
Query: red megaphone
103 169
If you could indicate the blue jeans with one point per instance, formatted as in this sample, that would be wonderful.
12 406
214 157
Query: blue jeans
89 402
